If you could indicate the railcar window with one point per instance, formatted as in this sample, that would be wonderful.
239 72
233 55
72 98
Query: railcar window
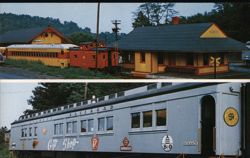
61 128
78 104
90 125
120 94
111 96
71 106
164 84
161 117
109 123
101 122
147 119
56 129
69 127
30 131
83 126
152 86
135 120
24 132
35 131
101 99
84 102
74 130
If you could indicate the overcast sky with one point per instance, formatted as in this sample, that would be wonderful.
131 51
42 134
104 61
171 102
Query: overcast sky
13 101
84 14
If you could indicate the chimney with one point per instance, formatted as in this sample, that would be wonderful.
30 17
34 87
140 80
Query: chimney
175 20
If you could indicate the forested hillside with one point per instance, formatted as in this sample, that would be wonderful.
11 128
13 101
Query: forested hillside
9 22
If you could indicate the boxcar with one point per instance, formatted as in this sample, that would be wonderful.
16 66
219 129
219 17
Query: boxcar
158 120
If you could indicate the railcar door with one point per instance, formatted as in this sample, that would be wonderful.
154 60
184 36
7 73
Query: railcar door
207 126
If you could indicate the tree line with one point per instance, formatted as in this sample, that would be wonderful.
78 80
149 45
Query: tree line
70 29
232 18
50 95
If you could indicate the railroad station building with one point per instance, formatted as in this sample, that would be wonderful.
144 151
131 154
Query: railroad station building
45 44
177 48
41 35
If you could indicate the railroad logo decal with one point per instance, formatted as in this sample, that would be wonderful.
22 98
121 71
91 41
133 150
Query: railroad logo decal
95 142
231 116
35 143
167 143
126 146
44 131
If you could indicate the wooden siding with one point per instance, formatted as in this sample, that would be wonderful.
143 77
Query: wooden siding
213 32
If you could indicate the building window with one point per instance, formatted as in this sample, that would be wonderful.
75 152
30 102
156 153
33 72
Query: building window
93 56
142 57
103 56
109 123
69 128
83 126
161 117
90 125
190 59
147 119
135 120
30 131
101 123
75 56
161 58
205 59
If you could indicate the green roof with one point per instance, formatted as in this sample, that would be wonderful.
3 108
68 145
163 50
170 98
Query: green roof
21 36
177 38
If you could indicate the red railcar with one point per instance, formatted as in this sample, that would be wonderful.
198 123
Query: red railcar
85 57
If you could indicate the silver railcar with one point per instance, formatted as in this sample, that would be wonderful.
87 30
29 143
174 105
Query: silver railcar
198 119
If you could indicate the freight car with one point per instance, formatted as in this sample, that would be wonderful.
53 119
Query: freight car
157 120
87 58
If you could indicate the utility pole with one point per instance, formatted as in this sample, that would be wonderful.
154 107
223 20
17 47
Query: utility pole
86 90
214 66
116 29
97 35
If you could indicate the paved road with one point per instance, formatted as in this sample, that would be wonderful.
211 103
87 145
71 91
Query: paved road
240 67
4 75
7 72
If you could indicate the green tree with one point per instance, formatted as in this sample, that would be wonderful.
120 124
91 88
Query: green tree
153 14
79 37
141 20
232 18
3 130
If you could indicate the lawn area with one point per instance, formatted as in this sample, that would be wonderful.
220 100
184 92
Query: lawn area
4 151
64 73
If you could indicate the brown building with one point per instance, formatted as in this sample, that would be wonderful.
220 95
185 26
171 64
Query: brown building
179 48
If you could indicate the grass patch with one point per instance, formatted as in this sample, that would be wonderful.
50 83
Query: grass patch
4 151
68 73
